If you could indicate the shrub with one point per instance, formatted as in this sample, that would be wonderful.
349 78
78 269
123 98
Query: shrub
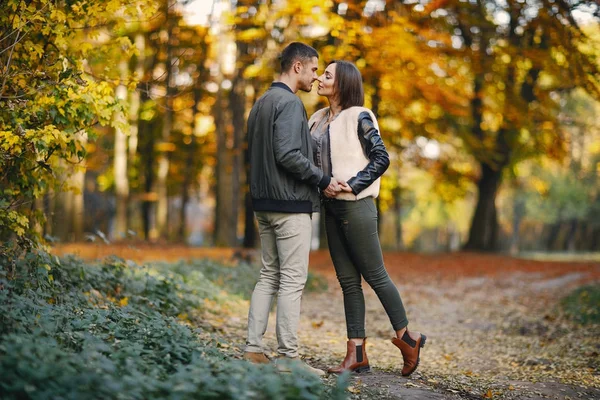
110 331
583 304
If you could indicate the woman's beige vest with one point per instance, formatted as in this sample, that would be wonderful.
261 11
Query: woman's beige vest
347 155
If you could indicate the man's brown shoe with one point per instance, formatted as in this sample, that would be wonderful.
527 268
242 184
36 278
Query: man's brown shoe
356 359
410 350
256 358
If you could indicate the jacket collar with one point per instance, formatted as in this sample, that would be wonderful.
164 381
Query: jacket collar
281 85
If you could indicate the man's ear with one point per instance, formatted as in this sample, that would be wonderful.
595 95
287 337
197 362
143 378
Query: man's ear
297 66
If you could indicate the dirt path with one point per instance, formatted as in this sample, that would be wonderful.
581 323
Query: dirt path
493 324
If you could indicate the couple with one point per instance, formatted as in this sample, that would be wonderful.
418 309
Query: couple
344 142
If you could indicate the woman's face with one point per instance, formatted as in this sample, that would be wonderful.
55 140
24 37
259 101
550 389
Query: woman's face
326 82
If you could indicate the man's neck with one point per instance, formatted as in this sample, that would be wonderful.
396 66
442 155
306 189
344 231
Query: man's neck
289 81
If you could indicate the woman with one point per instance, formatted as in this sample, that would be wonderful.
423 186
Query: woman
347 145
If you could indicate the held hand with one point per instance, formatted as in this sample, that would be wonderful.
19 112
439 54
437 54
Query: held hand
333 189
344 187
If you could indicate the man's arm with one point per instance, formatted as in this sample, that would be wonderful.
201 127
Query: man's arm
287 144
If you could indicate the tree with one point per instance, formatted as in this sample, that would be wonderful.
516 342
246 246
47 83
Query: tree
520 55
49 101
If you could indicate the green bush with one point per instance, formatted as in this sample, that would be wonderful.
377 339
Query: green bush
583 305
70 330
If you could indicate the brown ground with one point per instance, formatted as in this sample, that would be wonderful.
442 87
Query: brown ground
493 324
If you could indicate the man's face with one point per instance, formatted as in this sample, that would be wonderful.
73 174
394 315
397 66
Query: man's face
308 74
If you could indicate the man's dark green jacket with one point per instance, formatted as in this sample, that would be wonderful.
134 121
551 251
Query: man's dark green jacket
283 176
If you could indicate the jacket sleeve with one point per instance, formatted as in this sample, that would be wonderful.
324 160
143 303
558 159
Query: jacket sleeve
287 145
374 150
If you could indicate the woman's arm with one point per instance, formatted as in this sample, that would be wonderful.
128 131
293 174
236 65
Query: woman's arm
374 150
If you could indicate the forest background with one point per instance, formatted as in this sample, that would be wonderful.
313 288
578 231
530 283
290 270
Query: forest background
126 120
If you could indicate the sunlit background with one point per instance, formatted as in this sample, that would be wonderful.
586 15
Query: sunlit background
489 110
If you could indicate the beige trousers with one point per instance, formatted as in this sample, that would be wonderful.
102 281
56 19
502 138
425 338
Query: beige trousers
285 240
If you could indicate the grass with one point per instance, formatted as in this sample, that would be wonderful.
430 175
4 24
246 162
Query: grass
560 256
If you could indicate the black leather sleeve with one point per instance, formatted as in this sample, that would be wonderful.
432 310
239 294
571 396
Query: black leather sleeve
374 150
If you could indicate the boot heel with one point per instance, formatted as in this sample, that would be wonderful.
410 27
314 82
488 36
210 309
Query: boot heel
423 340
362 370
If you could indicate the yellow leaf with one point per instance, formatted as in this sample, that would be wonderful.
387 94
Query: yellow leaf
124 301
183 317
353 389
317 324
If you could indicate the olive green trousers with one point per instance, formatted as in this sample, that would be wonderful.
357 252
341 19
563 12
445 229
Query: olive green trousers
356 253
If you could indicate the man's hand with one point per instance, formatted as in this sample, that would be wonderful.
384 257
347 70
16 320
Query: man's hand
333 189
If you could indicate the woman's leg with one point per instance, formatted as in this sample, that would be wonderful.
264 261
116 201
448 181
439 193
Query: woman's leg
365 252
348 276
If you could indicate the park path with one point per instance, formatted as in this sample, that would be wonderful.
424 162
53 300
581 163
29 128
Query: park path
493 323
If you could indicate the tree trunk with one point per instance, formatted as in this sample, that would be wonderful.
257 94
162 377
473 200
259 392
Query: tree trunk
571 245
518 213
120 162
134 98
224 234
49 211
250 234
185 190
237 105
63 212
78 180
190 170
147 139
149 196
595 239
375 100
162 205
484 225
147 133
398 212
38 205
552 236
133 140
587 232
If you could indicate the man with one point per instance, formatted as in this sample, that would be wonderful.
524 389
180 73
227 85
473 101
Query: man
283 185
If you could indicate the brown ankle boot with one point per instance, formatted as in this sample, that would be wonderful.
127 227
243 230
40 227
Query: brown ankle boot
356 359
410 350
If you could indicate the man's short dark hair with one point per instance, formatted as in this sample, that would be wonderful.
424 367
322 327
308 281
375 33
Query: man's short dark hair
296 51
348 84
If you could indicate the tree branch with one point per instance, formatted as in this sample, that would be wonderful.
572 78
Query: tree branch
8 65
